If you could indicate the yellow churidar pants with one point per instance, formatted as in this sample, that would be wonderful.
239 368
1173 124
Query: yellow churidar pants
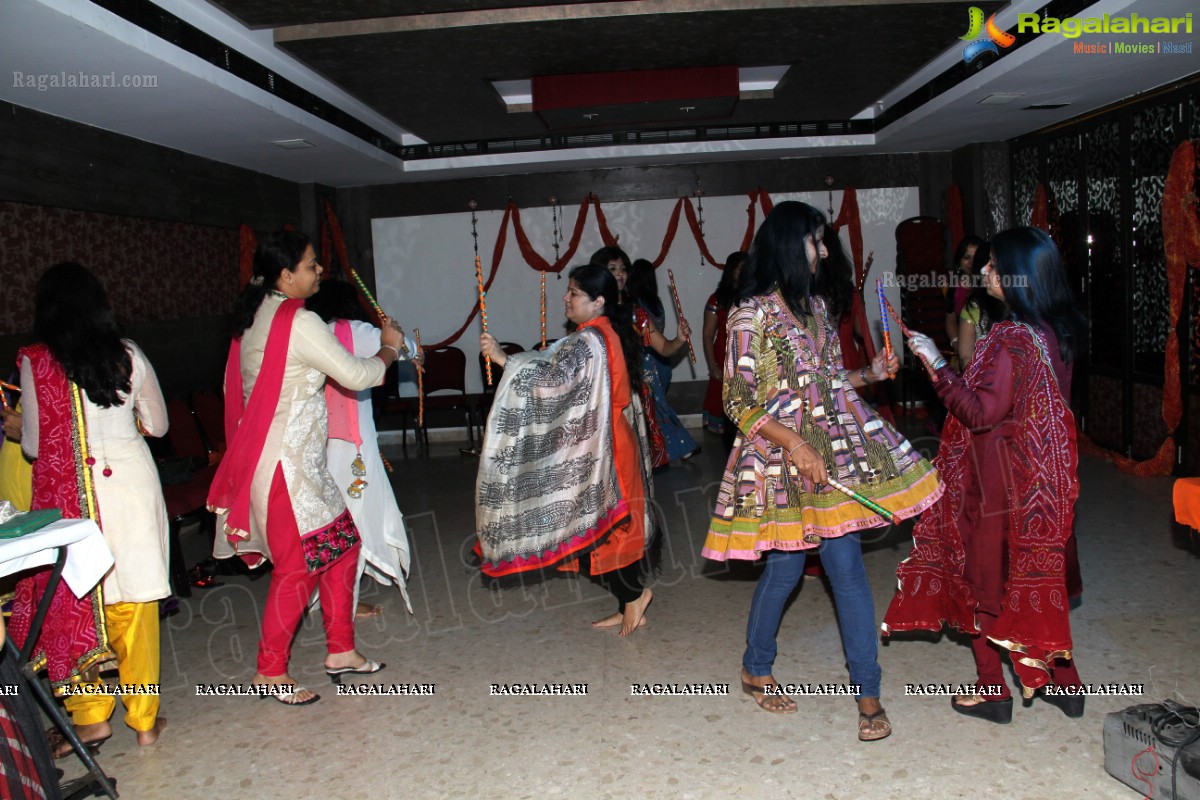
133 636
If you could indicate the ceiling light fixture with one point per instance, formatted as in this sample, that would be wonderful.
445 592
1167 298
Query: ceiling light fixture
293 144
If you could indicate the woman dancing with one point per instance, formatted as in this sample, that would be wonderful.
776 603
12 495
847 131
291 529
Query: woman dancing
564 478
990 558
800 422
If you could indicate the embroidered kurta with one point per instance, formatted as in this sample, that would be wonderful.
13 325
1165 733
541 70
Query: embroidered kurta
778 367
299 427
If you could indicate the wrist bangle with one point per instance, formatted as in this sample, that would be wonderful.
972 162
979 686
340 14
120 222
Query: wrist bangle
389 347
941 362
862 373
794 449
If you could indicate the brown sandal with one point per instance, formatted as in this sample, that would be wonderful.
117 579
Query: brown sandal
772 703
867 732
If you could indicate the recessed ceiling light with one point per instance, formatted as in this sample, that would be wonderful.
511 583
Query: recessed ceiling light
293 144
1000 98
1045 106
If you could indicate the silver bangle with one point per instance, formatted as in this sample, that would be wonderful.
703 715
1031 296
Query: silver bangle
389 347
862 373
941 362
794 449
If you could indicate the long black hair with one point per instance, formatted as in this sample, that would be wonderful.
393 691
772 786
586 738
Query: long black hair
777 259
1035 286
961 250
835 278
641 286
276 252
727 288
596 281
72 316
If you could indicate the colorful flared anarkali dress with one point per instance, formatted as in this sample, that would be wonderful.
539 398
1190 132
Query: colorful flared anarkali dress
780 367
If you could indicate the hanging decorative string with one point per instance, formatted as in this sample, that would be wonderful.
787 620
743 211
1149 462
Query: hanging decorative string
420 381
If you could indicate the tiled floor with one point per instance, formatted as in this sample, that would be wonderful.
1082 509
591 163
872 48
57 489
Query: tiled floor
1133 627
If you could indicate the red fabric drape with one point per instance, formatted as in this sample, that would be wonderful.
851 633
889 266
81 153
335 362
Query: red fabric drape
848 215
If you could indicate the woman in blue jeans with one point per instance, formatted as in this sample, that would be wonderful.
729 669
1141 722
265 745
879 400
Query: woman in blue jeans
800 421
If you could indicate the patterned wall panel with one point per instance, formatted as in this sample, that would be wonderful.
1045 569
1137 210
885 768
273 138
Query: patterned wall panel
996 181
1062 167
1024 180
152 270
1153 140
1106 271
1104 407
1149 430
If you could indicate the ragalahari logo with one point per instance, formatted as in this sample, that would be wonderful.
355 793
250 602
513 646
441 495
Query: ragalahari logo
983 44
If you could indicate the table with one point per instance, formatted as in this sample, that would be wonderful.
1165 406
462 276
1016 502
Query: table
81 557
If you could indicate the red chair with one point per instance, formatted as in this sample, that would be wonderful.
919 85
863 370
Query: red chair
445 371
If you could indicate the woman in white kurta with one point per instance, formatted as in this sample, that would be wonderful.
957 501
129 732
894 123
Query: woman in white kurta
79 338
274 485
352 438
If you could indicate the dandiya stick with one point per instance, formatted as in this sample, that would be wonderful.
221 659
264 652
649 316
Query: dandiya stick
543 309
4 397
904 329
679 314
871 504
483 313
386 464
883 318
362 287
420 382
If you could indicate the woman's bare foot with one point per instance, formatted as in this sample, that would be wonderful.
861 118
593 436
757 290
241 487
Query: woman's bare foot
300 694
151 736
635 613
92 734
611 621
366 611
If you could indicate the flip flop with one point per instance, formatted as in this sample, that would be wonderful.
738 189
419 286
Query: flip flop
866 726
282 697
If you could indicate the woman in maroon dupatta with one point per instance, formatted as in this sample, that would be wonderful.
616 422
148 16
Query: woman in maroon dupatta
989 559
273 487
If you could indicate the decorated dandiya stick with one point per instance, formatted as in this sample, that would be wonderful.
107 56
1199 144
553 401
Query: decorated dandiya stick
543 309
679 315
483 313
904 329
362 287
420 383
883 318
9 386
871 504
387 464
4 397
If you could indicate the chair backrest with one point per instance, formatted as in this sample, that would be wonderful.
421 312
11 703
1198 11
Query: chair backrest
445 370
183 432
210 412
497 370
921 253
538 345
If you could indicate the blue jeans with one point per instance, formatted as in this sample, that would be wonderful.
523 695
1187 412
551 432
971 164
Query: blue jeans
843 563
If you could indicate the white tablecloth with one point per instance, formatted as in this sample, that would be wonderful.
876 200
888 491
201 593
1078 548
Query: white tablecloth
88 557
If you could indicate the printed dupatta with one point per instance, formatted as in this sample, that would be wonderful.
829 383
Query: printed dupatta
73 638
1042 487
547 488
246 432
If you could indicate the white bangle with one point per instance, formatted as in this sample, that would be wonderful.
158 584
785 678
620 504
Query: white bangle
389 347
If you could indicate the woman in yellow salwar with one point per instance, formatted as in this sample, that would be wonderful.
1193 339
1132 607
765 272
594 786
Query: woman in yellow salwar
800 421
89 396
